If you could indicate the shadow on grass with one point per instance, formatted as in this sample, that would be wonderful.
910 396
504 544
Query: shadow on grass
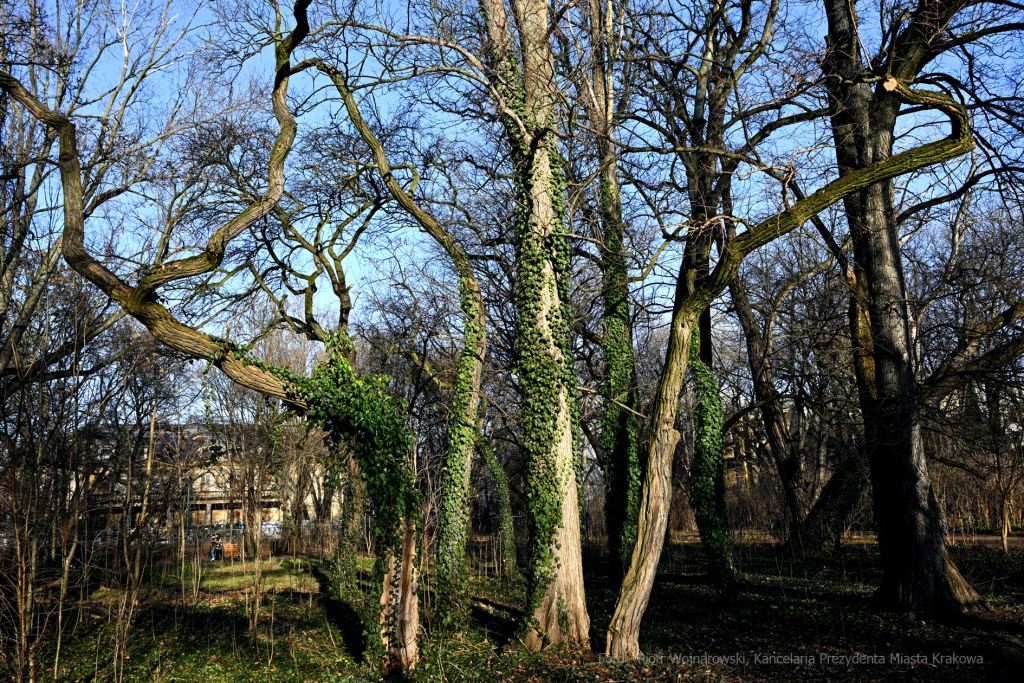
498 621
342 615
822 606
349 624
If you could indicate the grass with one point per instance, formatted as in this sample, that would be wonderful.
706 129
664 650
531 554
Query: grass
228 577
787 613
211 644
233 575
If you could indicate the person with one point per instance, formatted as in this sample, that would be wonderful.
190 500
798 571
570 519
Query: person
215 546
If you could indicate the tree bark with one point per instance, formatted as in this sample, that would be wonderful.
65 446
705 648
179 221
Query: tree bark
526 96
624 629
915 577
399 606
823 528
558 611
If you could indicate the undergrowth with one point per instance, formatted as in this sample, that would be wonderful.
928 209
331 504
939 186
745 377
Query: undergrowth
784 605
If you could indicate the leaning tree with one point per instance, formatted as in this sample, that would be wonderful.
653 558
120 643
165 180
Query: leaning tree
356 411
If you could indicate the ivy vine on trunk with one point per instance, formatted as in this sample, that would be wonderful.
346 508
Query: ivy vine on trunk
523 85
359 414
454 513
620 427
707 475
506 534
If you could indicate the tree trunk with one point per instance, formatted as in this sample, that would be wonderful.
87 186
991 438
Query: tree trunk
506 534
823 528
557 606
999 445
915 577
1005 526
399 607
619 423
527 100
783 452
623 457
454 513
624 629
350 527
707 477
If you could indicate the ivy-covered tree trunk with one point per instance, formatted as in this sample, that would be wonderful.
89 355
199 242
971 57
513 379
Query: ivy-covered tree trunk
454 513
506 534
359 412
556 604
557 609
619 422
707 476
525 82
350 525
623 457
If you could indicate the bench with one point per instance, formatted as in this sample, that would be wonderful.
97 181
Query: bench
230 550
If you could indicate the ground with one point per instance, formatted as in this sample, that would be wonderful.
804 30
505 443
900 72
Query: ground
791 619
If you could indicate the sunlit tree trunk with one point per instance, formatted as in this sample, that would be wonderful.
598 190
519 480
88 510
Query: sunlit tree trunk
399 602
524 80
624 629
